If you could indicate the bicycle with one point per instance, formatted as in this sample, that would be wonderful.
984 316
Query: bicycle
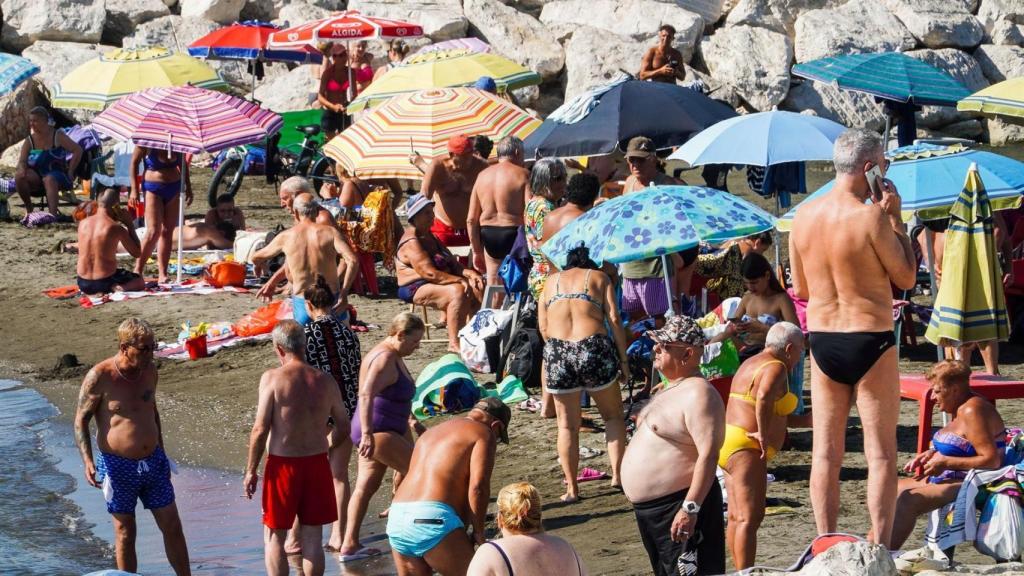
307 161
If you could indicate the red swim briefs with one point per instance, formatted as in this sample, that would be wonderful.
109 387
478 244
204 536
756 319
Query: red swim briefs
300 485
448 235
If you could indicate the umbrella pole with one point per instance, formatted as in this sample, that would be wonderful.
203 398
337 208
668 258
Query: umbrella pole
668 284
929 240
888 126
181 217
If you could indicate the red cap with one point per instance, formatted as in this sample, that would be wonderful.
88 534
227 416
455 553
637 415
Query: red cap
459 144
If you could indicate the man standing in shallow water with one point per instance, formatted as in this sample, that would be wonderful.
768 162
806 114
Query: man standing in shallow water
844 254
120 392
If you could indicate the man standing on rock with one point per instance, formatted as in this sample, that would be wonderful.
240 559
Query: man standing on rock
452 180
295 401
668 472
845 253
310 249
446 490
496 208
663 63
120 392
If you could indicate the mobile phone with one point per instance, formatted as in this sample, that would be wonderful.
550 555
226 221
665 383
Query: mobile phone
874 176
674 63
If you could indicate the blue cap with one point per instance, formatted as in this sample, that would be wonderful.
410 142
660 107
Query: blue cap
487 84
415 203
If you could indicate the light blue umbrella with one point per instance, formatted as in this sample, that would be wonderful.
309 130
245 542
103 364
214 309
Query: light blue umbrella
931 181
14 70
762 139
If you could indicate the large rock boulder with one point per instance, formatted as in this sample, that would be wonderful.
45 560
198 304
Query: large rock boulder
710 10
754 61
777 15
857 26
638 19
517 35
14 109
851 559
849 108
296 13
440 19
124 15
962 67
1003 21
26 21
295 90
57 59
583 71
939 23
221 11
173 32
1000 62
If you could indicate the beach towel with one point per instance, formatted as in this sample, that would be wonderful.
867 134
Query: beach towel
192 287
449 369
176 351
957 522
579 107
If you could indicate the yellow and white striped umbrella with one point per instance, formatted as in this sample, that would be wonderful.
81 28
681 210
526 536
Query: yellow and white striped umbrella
102 81
1005 98
379 144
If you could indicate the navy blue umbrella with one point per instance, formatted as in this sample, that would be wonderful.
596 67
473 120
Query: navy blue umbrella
666 113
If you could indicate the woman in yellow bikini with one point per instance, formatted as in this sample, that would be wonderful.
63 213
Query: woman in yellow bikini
755 427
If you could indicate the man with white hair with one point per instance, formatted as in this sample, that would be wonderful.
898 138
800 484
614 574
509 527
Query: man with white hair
295 402
294 186
845 254
496 208
310 249
755 428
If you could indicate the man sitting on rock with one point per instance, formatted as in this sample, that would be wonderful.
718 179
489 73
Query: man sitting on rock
98 238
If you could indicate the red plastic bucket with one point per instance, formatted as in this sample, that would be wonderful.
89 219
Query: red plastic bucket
196 347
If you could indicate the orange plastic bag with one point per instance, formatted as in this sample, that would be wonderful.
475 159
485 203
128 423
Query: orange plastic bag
260 321
221 274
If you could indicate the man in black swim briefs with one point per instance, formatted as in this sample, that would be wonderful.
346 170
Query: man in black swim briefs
846 254
496 208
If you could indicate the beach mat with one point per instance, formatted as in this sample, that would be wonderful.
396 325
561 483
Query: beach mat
177 351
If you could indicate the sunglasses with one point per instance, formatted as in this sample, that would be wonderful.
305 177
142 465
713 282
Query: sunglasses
149 348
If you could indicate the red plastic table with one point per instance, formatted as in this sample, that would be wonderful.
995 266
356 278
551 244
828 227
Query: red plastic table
916 387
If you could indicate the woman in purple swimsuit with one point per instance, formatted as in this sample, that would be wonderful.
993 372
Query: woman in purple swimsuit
381 424
161 183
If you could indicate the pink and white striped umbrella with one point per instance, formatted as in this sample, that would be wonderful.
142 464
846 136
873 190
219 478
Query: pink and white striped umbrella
186 119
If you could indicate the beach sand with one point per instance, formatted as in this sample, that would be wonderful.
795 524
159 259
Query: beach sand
207 406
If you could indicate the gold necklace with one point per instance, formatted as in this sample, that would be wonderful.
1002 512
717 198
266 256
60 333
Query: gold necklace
123 377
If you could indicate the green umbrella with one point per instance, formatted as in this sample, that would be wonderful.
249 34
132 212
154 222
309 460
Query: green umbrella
969 306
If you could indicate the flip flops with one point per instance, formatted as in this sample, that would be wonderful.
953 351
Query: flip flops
361 554
530 405
587 452
588 474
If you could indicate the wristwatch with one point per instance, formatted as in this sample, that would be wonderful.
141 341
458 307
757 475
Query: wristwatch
691 507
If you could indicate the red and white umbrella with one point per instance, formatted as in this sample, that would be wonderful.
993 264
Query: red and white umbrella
187 120
342 27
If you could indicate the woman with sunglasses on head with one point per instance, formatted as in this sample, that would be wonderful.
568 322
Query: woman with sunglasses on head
575 312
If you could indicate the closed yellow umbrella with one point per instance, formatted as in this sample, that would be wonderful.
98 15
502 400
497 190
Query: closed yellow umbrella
970 305
379 144
445 69
100 82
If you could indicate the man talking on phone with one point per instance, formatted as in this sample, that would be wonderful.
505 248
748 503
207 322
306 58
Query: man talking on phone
663 63
846 250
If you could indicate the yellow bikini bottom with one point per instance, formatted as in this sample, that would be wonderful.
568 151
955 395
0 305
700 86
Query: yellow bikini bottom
736 439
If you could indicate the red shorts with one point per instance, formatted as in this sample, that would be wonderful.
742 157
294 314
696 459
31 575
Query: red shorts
298 485
450 236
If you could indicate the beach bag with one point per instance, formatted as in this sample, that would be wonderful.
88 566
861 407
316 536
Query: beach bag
726 363
480 339
1001 528
221 274
516 266
84 210
247 243
442 386
260 321
524 356
458 396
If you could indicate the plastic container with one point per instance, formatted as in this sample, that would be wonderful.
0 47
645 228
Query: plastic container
196 347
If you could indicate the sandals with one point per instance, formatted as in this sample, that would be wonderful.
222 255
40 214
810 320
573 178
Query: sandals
361 554
587 452
588 474
530 405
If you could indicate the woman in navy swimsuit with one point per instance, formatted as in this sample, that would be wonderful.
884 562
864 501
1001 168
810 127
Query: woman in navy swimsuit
161 183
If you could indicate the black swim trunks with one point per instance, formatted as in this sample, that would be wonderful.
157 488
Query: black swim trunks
705 547
847 356
105 285
591 363
498 240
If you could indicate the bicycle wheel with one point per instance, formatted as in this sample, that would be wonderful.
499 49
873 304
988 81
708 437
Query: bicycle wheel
322 171
226 180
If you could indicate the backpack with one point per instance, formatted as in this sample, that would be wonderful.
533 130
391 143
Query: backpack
525 349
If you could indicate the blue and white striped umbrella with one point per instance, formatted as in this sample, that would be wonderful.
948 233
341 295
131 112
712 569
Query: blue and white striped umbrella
14 70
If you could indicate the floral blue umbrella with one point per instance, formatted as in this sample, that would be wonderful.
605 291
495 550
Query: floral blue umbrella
13 71
658 221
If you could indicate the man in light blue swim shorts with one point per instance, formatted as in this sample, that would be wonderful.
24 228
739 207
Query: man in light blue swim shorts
446 490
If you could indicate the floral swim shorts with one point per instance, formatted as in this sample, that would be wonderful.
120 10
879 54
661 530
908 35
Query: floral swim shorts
591 363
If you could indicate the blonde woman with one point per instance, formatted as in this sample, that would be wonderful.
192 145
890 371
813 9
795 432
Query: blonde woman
524 549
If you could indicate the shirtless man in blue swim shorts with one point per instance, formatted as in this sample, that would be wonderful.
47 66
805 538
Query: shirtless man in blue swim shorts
120 392
845 253
447 488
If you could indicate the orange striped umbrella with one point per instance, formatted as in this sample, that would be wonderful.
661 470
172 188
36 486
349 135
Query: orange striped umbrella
379 144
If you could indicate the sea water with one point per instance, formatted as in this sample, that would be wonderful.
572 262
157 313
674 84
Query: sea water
53 523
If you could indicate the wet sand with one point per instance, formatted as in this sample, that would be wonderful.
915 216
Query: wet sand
207 406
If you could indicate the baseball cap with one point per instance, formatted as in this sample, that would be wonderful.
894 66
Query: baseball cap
459 144
496 409
415 203
640 147
487 84
679 330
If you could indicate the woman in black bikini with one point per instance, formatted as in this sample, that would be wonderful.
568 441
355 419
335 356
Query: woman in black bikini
161 183
575 311
524 548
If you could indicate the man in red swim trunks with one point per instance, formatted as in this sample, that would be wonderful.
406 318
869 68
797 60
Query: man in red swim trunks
295 402
452 180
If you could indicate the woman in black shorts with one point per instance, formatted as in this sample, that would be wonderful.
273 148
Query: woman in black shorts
576 310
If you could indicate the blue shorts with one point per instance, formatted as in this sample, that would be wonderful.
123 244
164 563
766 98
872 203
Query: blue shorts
301 315
125 481
415 528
